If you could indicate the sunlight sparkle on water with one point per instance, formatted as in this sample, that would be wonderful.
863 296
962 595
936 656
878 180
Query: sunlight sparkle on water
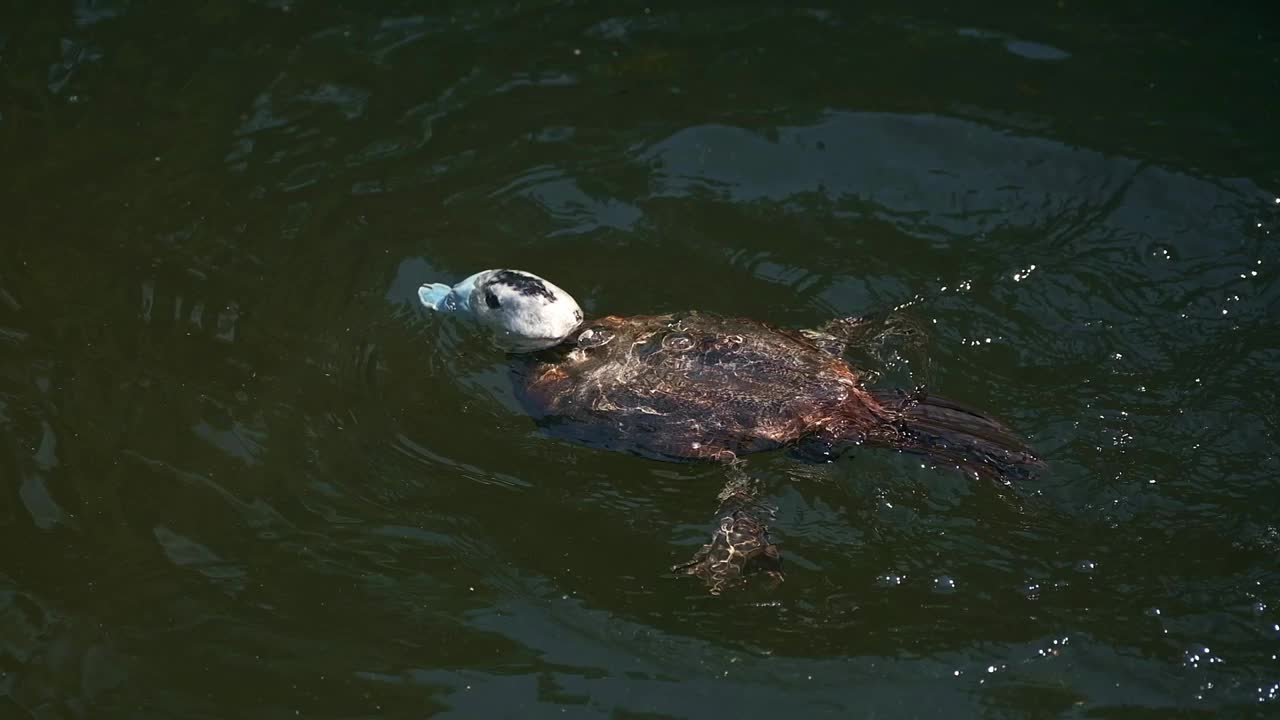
1269 694
1195 656
1055 649
890 580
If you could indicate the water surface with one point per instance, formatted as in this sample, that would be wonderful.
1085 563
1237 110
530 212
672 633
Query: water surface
242 475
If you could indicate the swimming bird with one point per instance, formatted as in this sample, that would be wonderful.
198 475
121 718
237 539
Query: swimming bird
695 386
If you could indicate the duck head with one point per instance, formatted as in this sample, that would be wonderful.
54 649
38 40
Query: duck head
520 310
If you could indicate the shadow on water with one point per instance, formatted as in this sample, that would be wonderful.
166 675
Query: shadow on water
243 474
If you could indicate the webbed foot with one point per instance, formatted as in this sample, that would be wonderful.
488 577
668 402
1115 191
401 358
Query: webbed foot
740 544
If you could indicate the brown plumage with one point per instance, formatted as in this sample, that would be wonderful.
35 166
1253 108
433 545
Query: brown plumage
694 386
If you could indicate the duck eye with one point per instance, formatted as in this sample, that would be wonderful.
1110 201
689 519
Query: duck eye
492 300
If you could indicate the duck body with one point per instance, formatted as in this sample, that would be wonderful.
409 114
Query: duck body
695 386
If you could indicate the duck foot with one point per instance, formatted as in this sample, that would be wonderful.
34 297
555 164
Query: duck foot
740 544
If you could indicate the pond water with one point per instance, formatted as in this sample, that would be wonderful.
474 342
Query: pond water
243 475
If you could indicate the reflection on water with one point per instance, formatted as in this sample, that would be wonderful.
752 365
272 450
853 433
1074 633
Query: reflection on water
245 475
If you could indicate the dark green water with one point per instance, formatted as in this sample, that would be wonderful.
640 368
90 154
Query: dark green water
242 476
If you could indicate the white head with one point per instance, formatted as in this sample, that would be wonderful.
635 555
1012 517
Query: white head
523 311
